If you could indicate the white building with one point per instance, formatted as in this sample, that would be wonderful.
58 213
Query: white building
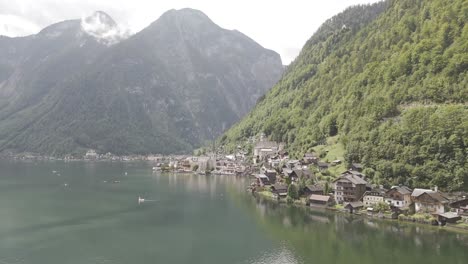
91 154
374 197
429 201
398 196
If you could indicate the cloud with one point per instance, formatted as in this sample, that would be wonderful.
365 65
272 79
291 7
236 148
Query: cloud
282 26
13 26
103 28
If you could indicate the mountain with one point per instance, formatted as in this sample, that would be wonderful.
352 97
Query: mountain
83 84
389 83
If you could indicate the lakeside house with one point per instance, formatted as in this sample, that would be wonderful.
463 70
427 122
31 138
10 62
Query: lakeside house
429 201
271 174
184 165
225 167
374 197
317 200
351 207
91 154
398 197
349 187
262 180
279 190
314 189
448 217
460 207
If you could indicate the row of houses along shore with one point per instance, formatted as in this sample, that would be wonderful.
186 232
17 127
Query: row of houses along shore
275 175
295 181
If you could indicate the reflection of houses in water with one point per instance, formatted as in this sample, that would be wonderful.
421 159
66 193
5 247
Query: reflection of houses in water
321 219
286 221
371 224
203 183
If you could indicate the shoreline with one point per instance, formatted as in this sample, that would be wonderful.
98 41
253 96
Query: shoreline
262 194
447 227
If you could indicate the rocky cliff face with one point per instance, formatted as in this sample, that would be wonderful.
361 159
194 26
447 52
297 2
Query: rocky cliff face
85 84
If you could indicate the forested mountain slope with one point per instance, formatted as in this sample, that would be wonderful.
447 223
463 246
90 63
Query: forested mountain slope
391 80
82 84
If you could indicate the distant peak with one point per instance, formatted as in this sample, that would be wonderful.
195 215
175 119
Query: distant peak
186 14
192 18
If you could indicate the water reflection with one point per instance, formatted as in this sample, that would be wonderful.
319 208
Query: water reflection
206 184
327 237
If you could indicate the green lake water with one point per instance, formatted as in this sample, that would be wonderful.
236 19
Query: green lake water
88 213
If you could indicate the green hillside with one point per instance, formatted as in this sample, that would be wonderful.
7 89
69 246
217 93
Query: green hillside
390 80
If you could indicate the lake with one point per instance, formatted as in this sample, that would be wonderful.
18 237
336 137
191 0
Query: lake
89 213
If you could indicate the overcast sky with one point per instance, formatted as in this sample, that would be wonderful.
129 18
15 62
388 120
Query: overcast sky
283 26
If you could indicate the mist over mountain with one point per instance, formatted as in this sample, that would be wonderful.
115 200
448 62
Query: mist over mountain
85 83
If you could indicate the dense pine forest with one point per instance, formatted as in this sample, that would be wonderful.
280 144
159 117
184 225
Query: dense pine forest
390 81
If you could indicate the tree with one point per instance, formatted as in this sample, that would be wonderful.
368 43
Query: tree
382 207
292 192
326 189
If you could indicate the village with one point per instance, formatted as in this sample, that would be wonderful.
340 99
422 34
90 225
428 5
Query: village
277 177
298 181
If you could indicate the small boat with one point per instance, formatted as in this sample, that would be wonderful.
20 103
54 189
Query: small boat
140 200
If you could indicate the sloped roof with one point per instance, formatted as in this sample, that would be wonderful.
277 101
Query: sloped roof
450 215
355 204
357 173
322 198
378 190
439 197
261 175
402 189
352 178
280 187
417 192
315 187
459 203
